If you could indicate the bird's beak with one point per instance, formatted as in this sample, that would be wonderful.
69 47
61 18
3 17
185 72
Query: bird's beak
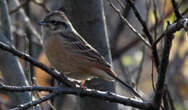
42 23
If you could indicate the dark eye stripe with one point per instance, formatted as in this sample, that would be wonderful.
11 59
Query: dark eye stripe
53 22
58 23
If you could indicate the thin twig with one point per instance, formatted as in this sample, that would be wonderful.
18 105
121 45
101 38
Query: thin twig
156 18
138 16
119 29
27 22
19 7
129 25
121 4
146 31
4 87
118 53
37 93
36 102
170 99
152 75
165 100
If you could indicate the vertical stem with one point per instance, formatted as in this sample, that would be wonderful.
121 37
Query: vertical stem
162 71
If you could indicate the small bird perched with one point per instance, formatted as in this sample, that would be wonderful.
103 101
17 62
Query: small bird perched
70 54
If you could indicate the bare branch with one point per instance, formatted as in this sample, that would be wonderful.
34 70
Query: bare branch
120 4
27 21
176 26
4 87
18 7
35 102
176 10
170 99
145 29
129 25
108 96
162 71
156 18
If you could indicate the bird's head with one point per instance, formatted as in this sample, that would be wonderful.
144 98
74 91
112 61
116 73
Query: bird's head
54 22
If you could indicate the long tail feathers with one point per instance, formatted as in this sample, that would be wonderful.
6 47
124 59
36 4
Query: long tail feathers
112 74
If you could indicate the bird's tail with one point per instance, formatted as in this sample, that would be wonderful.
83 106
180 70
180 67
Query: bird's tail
114 76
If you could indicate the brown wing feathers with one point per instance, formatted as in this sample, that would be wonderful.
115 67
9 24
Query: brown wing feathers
85 49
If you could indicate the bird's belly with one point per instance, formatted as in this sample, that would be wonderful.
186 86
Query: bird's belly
71 67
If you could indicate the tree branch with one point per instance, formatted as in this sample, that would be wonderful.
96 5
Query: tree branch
172 28
107 96
162 71
18 7
129 25
176 10
27 22
146 31
35 102
142 22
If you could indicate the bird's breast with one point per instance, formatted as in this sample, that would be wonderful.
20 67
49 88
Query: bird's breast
60 55
57 53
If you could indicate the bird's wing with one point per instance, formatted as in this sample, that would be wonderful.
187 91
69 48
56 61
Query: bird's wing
80 46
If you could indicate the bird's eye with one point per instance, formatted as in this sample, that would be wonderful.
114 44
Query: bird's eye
53 22
59 23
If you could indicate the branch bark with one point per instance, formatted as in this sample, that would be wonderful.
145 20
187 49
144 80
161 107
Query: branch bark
107 96
162 71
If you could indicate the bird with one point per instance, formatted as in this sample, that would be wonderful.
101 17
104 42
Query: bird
70 54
